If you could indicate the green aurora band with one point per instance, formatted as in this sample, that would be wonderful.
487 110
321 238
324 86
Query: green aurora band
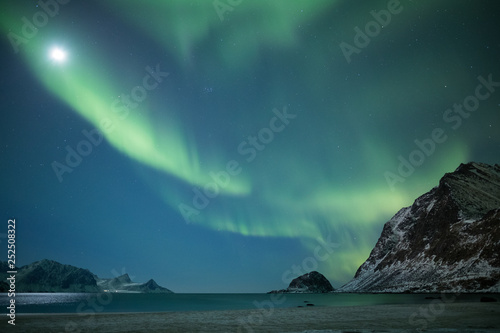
304 202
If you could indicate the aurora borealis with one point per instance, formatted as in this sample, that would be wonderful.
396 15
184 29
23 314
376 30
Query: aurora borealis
212 145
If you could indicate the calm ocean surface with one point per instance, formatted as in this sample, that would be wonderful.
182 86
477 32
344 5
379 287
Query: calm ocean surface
113 302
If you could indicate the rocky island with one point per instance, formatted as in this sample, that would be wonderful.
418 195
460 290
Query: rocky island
310 283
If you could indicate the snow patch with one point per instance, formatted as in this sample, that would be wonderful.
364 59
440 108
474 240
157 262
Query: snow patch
428 209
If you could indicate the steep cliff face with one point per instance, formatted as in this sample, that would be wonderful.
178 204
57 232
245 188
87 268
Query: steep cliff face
448 240
312 282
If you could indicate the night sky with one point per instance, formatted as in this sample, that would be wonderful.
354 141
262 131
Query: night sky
213 146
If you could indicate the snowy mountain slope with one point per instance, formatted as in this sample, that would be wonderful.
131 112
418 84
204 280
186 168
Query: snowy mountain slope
447 241
124 284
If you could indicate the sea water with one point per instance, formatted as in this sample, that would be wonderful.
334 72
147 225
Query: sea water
133 302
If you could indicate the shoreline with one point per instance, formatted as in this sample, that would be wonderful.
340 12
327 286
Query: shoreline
477 317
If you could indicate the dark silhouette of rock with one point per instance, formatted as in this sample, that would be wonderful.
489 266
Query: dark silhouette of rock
4 287
312 282
488 299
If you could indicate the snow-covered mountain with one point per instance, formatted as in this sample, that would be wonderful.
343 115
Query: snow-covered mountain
447 241
123 284
51 276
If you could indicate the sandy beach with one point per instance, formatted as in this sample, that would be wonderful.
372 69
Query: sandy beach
460 317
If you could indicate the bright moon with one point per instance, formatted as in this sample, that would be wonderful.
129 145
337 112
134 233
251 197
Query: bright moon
58 55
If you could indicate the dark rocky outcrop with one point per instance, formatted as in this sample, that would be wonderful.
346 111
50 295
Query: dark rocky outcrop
4 287
312 282
486 299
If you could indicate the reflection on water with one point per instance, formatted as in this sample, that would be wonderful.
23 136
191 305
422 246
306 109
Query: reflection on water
114 302
49 298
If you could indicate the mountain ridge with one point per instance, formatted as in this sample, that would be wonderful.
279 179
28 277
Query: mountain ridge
447 241
51 276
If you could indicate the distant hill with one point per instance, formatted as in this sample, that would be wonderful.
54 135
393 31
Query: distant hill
447 241
51 276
